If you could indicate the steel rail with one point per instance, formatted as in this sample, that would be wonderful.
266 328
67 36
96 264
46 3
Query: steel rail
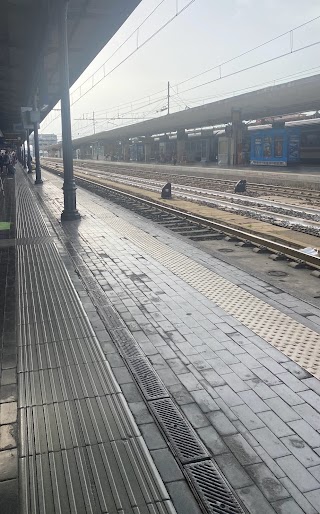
259 241
103 165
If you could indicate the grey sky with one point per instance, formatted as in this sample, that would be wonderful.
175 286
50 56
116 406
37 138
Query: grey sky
204 35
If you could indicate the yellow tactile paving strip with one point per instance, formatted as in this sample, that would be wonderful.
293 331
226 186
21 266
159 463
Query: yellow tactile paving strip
292 338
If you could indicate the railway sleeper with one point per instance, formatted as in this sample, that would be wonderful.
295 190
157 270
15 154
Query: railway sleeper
180 226
208 237
278 257
245 244
260 249
197 232
297 264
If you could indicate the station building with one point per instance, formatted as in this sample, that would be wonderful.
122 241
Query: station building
277 126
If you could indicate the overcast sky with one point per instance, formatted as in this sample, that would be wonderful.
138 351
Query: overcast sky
205 35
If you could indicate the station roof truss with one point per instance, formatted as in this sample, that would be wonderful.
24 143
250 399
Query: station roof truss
297 96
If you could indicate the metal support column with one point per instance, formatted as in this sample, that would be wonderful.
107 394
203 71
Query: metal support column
69 188
24 156
36 152
29 165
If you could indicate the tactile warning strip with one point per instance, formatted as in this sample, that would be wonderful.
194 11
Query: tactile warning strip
80 450
295 340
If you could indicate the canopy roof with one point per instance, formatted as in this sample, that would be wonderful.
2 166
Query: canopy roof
291 97
29 43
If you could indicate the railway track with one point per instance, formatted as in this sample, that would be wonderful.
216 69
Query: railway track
309 196
305 220
194 227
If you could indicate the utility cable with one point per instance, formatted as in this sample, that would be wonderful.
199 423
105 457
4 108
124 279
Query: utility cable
252 67
250 51
128 56
218 66
133 52
119 47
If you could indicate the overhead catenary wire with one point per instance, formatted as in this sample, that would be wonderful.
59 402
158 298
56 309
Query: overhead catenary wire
291 52
219 66
254 86
148 115
135 50
122 44
174 95
228 61
261 63
130 55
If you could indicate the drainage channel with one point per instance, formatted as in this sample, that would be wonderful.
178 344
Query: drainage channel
202 473
207 482
210 487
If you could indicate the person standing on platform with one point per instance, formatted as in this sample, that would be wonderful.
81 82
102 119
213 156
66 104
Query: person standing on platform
6 160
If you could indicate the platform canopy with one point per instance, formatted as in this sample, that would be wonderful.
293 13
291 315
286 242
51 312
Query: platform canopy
291 97
29 43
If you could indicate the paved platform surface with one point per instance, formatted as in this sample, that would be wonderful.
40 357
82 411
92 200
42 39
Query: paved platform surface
228 351
233 352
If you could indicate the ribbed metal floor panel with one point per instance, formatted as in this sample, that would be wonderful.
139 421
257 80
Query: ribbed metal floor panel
80 450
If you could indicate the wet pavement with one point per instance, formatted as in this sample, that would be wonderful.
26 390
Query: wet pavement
255 409
211 336
8 352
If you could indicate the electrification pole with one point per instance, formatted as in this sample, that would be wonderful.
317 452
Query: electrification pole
36 146
168 97
28 153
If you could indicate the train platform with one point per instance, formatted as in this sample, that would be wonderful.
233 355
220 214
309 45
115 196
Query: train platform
143 375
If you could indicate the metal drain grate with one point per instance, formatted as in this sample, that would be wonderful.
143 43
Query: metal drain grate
183 439
126 344
212 488
99 297
151 385
110 317
89 282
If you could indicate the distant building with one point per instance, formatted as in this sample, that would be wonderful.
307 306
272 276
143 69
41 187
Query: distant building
45 140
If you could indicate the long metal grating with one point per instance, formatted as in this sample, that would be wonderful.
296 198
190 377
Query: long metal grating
184 441
148 380
125 343
212 488
110 317
80 450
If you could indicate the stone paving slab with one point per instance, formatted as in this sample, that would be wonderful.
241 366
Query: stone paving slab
255 409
